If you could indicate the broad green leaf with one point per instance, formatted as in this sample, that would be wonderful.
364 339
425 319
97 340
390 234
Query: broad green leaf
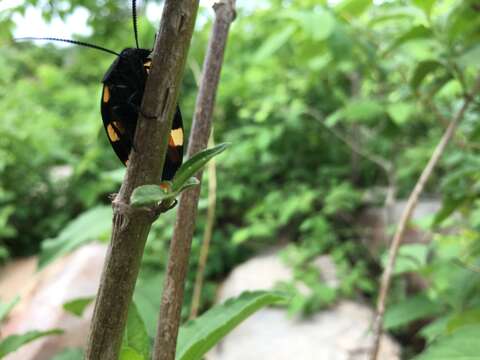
463 344
363 110
422 70
70 354
93 224
468 317
310 20
146 195
425 5
411 257
6 308
14 342
78 306
194 164
127 353
135 343
273 43
470 57
414 33
411 309
353 8
400 112
200 335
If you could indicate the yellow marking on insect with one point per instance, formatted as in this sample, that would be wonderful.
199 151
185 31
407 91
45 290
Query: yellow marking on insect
106 94
112 134
147 66
176 136
118 126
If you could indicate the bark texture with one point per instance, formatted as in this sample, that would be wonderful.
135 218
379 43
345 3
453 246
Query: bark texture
173 290
130 225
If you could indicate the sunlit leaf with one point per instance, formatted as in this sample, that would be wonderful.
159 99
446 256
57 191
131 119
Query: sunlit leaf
78 306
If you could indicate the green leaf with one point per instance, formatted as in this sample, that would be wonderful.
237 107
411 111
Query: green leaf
14 342
425 5
362 110
91 225
6 308
353 8
414 33
273 43
400 112
408 310
411 257
422 70
135 343
69 354
463 344
200 335
147 195
311 19
194 164
77 306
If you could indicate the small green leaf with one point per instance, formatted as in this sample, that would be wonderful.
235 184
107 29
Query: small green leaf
193 181
78 306
353 8
463 344
414 33
414 308
194 164
6 308
13 342
69 354
200 335
135 343
273 43
422 70
147 195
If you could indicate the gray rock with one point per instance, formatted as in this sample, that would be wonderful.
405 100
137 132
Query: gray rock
339 333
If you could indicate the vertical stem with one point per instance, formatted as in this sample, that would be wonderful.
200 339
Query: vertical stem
131 226
207 235
406 215
173 290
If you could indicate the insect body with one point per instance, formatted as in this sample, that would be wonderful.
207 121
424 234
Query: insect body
123 87
122 93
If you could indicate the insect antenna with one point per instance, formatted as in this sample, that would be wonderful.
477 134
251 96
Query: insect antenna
80 43
134 19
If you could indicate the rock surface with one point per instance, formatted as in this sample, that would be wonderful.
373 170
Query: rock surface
43 294
339 333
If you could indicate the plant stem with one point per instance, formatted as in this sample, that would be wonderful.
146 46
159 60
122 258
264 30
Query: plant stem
131 226
207 235
172 297
406 215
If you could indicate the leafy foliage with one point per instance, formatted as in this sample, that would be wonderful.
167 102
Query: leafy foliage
322 119
13 342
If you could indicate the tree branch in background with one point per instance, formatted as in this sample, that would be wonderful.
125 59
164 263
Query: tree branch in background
131 225
406 215
207 234
173 290
381 162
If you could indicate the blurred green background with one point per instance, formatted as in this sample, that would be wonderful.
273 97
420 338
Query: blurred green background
330 106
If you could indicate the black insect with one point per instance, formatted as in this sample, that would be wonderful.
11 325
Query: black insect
123 88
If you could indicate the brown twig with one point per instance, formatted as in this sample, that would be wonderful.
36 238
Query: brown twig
207 235
130 225
172 297
407 213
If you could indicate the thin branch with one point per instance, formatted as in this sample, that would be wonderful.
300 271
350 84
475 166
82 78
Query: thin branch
173 290
406 215
130 225
384 164
207 235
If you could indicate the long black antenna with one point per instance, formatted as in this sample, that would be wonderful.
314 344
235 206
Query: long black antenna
134 19
80 43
